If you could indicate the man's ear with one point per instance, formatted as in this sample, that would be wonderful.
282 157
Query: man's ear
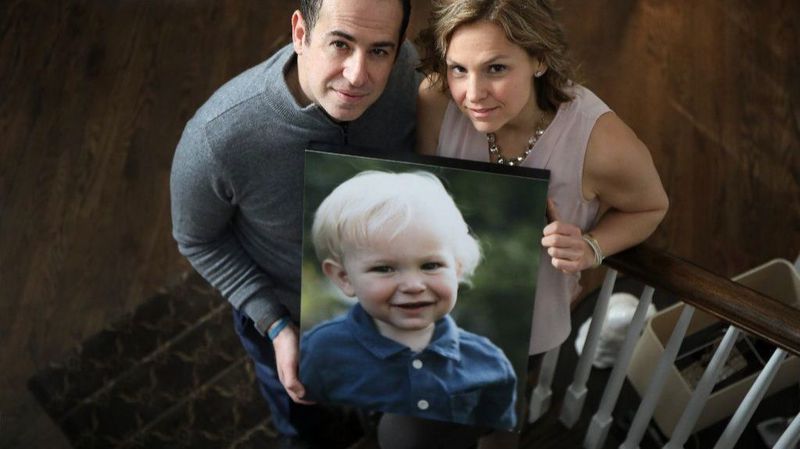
299 32
335 272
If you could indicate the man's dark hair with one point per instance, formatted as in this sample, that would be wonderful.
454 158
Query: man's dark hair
310 11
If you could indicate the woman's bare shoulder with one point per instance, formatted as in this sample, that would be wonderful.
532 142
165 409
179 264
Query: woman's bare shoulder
619 168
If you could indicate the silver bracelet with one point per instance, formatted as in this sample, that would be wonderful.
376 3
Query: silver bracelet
598 253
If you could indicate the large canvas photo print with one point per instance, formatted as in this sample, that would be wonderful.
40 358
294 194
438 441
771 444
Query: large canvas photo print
418 286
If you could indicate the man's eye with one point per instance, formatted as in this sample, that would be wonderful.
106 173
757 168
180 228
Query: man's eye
497 68
380 52
340 45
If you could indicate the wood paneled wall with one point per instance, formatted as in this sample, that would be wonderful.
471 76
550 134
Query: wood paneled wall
713 88
94 95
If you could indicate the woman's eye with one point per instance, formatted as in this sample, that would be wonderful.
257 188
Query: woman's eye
457 69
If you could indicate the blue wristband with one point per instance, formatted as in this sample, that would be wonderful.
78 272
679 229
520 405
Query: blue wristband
277 327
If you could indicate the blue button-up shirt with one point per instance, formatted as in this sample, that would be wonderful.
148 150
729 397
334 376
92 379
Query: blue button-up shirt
459 377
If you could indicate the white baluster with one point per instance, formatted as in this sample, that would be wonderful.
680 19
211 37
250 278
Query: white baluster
698 400
576 392
745 411
650 399
542 394
790 436
601 421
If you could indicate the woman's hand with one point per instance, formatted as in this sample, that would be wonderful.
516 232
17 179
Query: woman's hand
564 243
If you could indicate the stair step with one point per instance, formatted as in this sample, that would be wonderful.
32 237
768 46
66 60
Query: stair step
174 367
99 360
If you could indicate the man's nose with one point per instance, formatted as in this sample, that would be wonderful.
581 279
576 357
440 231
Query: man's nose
355 70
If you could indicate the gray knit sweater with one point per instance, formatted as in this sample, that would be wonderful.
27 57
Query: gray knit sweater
237 179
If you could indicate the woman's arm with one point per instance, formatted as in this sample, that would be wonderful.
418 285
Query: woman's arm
431 104
620 173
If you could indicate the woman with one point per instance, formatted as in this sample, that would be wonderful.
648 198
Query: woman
499 88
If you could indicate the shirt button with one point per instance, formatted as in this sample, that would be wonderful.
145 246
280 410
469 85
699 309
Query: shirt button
417 363
423 404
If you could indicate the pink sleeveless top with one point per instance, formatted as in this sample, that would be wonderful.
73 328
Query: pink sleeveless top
561 149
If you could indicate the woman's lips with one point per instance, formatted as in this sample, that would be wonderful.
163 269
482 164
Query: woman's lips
481 112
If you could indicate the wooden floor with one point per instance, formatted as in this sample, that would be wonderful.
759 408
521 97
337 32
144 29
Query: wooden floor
94 95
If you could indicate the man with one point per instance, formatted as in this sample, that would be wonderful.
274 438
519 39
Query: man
237 176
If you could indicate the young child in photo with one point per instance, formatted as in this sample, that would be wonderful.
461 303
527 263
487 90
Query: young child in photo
398 243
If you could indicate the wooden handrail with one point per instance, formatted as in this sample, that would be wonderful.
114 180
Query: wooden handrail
743 307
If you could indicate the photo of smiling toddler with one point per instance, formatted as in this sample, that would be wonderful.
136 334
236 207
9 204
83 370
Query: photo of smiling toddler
399 245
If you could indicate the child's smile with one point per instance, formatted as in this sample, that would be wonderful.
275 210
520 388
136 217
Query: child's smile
415 305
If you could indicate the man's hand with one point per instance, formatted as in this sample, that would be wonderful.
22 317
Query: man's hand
564 243
286 358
